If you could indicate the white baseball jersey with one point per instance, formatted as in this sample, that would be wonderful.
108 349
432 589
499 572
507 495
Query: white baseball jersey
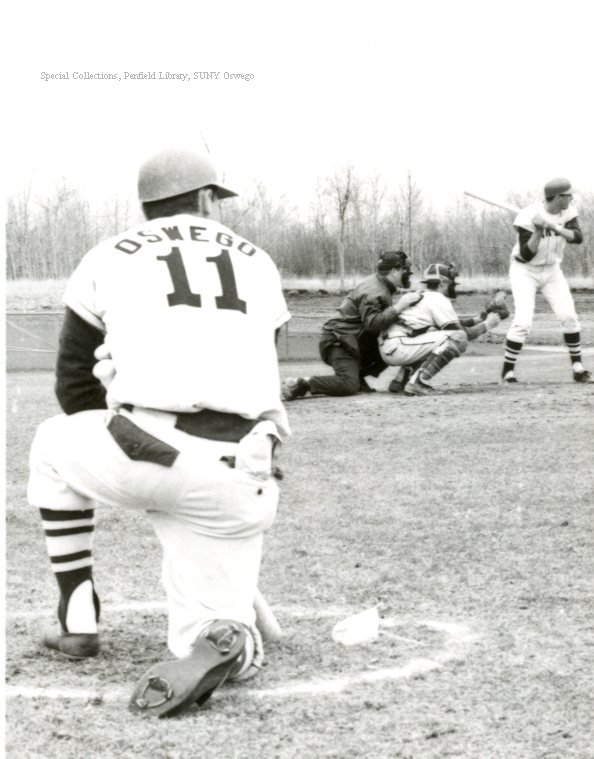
189 309
552 246
434 310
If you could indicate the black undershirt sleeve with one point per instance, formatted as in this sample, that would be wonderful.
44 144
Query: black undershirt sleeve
578 236
76 387
523 236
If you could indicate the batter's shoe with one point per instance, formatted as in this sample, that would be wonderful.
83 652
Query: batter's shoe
416 387
168 688
582 376
293 388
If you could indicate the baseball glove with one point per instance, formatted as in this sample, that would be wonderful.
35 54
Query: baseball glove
496 305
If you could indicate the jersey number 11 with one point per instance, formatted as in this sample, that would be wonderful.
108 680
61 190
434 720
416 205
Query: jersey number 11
183 296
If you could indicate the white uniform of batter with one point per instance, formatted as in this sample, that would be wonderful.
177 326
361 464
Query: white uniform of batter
542 273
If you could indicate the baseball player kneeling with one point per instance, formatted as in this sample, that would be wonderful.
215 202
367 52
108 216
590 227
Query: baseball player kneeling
429 334
174 436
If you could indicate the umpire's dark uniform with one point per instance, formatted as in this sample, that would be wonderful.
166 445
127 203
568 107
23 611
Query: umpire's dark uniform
349 342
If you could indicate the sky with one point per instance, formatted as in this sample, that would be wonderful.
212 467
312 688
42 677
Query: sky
491 97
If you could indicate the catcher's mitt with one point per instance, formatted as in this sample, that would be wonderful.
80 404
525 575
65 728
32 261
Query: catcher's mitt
496 305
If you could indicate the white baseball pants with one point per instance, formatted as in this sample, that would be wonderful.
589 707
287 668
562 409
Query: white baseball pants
209 517
404 351
526 281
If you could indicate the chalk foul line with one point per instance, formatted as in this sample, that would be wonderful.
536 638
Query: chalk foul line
458 639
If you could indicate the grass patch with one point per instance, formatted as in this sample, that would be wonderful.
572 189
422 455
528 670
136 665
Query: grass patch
35 295
473 507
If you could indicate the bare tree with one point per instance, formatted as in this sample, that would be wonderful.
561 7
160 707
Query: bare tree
18 233
348 221
342 186
375 202
412 202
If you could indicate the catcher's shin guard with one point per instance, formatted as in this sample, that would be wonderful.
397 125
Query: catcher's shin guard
450 349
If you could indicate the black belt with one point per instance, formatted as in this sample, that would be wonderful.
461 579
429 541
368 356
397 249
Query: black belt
140 445
419 331
211 425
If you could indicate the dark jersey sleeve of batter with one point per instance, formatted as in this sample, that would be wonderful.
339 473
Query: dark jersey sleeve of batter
574 225
76 387
523 236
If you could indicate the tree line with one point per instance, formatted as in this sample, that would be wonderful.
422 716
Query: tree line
349 221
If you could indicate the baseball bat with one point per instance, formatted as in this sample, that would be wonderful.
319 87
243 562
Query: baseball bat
504 206
266 622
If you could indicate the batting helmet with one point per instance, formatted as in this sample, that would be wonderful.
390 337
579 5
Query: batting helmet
176 171
440 273
558 186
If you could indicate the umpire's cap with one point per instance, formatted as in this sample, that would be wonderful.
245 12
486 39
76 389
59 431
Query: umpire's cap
440 273
175 171
392 259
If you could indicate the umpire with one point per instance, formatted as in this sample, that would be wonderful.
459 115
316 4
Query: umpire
349 342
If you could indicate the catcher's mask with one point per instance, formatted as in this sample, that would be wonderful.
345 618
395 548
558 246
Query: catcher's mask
395 259
439 274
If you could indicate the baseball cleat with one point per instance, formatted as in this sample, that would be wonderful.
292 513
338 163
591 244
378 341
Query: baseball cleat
583 376
417 387
170 687
395 387
399 382
73 645
293 388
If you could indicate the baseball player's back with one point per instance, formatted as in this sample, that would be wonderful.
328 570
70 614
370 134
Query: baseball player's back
188 307
168 378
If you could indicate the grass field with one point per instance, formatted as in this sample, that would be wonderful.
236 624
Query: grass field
466 519
34 295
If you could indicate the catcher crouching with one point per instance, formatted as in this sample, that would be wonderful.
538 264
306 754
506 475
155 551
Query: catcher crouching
429 334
